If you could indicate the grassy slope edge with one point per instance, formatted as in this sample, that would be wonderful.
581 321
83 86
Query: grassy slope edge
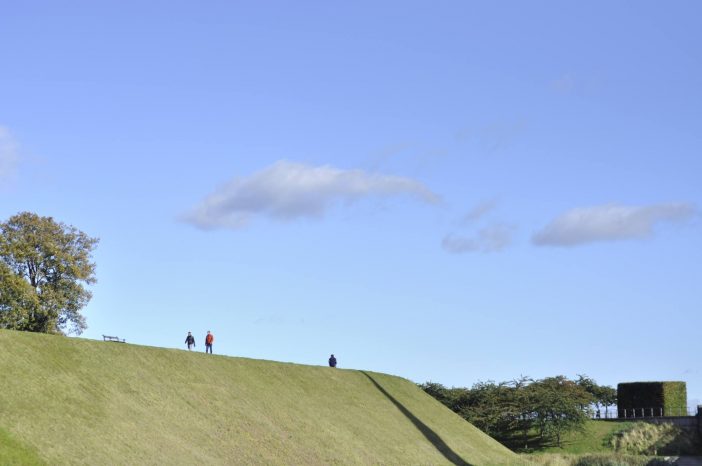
77 401
14 453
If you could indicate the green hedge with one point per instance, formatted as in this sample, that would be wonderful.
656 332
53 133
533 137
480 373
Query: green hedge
668 398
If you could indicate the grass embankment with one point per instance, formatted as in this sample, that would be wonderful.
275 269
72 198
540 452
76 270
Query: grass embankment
595 438
635 443
73 401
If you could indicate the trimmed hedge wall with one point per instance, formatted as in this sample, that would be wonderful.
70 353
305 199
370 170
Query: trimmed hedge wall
664 398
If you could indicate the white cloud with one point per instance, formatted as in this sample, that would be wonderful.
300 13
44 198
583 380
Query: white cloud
609 223
9 153
288 190
489 239
479 211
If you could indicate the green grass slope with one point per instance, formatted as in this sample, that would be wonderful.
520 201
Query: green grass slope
594 438
74 401
13 452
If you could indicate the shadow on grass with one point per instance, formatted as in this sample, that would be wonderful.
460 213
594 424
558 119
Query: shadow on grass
435 440
533 442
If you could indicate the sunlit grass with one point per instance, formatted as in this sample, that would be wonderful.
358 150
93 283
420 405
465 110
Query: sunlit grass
594 438
75 401
14 453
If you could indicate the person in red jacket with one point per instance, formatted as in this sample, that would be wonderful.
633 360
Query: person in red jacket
209 339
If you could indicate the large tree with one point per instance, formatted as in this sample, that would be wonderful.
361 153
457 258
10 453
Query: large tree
561 406
44 267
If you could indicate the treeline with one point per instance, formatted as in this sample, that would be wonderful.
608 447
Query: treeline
526 410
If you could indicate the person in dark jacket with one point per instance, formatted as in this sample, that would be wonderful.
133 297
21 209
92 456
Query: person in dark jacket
332 361
190 341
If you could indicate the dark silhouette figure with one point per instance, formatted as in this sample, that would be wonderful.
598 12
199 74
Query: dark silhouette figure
209 339
190 341
432 436
332 361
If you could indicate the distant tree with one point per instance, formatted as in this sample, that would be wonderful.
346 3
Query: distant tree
587 383
602 395
511 411
485 405
44 266
590 386
524 400
458 400
559 406
438 391
607 397
488 404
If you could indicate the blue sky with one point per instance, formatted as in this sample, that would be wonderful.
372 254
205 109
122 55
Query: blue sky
447 191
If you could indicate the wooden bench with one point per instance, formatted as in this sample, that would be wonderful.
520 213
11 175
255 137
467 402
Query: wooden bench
109 338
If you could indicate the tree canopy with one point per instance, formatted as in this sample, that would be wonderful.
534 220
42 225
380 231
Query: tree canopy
44 267
517 410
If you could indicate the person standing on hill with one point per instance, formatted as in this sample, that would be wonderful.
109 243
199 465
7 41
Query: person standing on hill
209 339
190 341
332 361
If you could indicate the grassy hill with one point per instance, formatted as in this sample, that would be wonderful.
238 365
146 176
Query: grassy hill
75 401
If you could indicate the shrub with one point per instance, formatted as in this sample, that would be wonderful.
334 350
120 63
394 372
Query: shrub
606 459
617 460
653 439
